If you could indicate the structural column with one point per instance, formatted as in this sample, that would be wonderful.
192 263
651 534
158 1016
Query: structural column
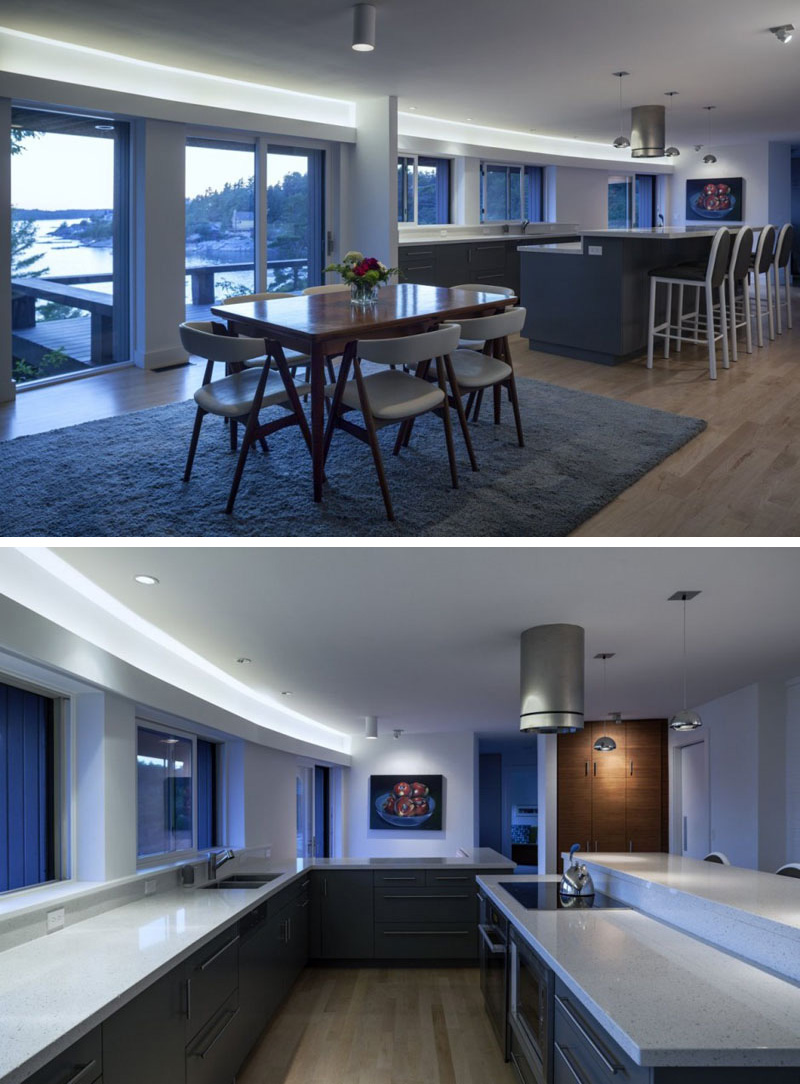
7 387
159 243
369 186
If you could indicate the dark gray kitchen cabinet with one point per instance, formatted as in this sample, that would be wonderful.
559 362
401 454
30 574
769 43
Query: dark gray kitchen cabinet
81 1063
417 263
215 1053
341 918
212 974
414 905
145 1040
259 990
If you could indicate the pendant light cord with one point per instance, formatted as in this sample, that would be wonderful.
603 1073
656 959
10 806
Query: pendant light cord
684 654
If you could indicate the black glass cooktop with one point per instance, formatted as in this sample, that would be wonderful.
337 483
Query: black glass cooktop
545 896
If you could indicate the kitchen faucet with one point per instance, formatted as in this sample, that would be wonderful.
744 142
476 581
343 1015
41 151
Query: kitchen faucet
525 225
217 859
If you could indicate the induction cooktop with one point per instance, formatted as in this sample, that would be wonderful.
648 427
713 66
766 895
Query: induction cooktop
545 896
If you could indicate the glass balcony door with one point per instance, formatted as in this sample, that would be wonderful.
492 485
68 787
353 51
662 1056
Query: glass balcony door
295 218
69 244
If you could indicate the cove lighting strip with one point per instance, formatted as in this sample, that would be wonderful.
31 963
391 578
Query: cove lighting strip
88 611
45 58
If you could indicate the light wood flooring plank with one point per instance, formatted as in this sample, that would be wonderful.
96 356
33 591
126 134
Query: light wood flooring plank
380 1026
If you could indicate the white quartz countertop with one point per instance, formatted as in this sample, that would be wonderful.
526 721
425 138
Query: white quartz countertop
423 242
666 233
55 989
664 996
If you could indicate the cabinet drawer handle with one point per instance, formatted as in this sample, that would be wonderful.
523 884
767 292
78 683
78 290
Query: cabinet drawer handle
188 999
631 767
594 767
301 905
497 949
411 878
586 767
230 1015
426 933
219 952
82 1073
611 1066
428 896
564 1053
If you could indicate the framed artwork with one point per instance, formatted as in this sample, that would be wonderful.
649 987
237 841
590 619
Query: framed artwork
414 801
715 200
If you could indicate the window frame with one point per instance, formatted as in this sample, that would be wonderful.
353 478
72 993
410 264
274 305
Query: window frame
525 189
167 857
414 161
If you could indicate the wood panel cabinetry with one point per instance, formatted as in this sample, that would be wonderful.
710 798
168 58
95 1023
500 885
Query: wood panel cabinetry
614 801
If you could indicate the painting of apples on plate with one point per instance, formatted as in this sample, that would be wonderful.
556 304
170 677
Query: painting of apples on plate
401 802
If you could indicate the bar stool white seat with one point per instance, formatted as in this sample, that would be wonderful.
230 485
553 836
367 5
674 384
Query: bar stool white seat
783 254
791 869
761 265
718 857
709 279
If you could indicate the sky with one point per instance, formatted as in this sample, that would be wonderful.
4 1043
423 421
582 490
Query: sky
60 171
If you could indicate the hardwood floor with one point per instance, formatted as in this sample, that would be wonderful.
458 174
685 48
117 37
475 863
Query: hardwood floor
380 1026
741 477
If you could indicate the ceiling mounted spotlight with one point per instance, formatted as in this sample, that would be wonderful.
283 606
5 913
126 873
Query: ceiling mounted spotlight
364 28
243 659
370 726
782 33
396 734
146 580
604 743
709 158
671 152
685 719
621 141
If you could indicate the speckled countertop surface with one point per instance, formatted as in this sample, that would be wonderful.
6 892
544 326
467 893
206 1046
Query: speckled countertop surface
666 997
55 989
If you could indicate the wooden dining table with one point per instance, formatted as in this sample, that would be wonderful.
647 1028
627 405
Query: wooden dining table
322 325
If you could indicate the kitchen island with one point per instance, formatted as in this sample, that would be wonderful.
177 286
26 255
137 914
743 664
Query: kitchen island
589 299
658 998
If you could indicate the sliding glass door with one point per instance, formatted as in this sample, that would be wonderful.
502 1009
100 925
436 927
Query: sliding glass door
69 244
294 217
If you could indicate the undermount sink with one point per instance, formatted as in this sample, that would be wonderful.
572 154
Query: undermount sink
244 880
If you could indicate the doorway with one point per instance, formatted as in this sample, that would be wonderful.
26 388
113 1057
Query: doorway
690 767
314 811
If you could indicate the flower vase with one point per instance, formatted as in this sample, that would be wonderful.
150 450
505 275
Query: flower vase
363 294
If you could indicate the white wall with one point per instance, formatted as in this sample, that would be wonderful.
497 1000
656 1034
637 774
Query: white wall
450 755
262 807
765 167
581 195
372 182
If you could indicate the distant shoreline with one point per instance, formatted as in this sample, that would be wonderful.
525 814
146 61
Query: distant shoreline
23 213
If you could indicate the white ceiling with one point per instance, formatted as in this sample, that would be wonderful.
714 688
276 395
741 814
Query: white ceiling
522 64
428 639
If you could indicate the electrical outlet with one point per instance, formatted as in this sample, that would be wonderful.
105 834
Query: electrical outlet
55 920
595 250
149 888
443 233
268 852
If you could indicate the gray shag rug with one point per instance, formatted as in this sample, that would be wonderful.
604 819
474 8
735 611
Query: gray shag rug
122 476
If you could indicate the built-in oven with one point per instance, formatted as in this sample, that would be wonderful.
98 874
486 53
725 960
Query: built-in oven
530 1014
493 954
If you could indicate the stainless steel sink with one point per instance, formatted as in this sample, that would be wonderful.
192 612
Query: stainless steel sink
244 880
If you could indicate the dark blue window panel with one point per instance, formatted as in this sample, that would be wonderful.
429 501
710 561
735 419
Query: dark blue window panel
27 833
534 209
206 795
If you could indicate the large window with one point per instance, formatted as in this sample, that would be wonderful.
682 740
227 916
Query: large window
631 202
69 244
294 217
423 190
220 222
511 193
28 834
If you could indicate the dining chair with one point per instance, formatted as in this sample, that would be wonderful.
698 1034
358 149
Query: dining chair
333 288
242 395
492 367
504 291
718 857
392 395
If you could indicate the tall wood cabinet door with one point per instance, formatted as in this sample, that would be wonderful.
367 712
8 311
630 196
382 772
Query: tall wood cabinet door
643 785
574 790
608 790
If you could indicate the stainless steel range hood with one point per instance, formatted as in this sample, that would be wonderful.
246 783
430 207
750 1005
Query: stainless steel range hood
551 679
648 131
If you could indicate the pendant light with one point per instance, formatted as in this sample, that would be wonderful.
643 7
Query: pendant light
685 719
709 158
364 28
621 141
604 743
370 726
671 152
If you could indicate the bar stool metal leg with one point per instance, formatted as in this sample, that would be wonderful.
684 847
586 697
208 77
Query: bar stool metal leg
651 324
712 352
668 327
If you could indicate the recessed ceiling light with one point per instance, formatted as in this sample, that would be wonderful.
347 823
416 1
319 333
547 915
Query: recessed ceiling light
148 581
412 109
287 692
104 127
243 659
169 741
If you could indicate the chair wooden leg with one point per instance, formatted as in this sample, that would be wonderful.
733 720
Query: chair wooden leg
234 434
462 418
478 403
448 429
470 401
375 448
294 398
497 403
403 436
512 394
344 372
248 438
198 421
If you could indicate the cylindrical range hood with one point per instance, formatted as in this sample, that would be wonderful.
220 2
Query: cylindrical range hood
551 679
648 128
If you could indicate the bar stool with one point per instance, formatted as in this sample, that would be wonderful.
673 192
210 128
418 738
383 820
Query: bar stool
718 857
762 262
783 254
738 271
791 869
709 278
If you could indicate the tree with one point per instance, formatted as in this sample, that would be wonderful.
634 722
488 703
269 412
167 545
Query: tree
23 232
